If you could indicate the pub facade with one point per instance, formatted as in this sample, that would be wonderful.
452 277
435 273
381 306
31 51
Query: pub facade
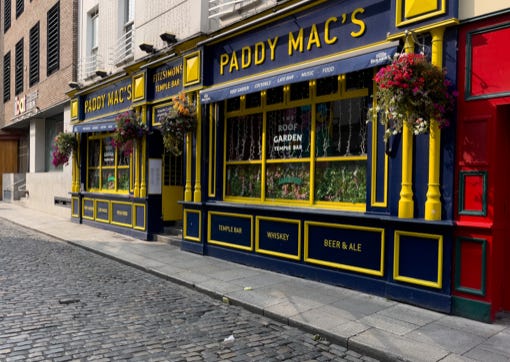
288 175
133 190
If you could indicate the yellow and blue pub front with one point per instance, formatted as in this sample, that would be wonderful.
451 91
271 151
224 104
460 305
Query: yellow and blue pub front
291 177
136 192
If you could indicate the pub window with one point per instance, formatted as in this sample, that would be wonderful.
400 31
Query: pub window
7 15
53 42
18 73
34 55
253 100
314 153
7 76
233 104
300 90
358 80
20 7
274 95
108 168
327 86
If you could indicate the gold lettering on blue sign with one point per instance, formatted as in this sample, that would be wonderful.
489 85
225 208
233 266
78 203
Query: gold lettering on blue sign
230 229
277 236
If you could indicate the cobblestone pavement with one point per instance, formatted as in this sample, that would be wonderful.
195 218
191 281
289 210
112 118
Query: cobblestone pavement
61 303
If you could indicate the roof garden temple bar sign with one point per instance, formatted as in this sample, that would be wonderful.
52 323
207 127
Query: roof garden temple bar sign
339 37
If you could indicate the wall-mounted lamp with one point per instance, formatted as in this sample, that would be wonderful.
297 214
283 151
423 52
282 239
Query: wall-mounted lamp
148 48
74 85
101 73
168 38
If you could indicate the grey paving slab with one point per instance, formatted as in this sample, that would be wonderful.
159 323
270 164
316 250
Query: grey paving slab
385 323
455 340
485 330
390 346
411 314
486 354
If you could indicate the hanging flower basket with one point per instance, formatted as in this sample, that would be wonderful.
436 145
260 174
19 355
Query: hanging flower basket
413 91
181 119
64 144
129 128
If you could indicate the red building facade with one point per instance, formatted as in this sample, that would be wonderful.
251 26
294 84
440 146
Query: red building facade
482 245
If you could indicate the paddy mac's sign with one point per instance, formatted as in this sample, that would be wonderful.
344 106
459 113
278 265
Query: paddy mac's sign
324 30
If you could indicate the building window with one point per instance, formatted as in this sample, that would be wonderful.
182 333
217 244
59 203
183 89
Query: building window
7 77
302 145
18 74
7 15
20 7
34 55
53 51
107 168
129 17
94 30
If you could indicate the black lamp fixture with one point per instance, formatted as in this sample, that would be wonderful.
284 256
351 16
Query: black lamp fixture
101 73
168 38
148 48
74 85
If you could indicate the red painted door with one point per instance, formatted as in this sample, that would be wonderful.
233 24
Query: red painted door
502 208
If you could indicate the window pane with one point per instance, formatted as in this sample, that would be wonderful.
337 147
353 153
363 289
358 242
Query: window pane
288 133
108 152
288 181
244 138
341 128
123 179
94 151
108 180
53 41
93 182
233 104
274 95
299 91
243 180
327 86
341 181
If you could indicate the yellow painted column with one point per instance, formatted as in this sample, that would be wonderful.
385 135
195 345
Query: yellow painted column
75 187
143 181
188 189
433 203
406 203
136 166
197 196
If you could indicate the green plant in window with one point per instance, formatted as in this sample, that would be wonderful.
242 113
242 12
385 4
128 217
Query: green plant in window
341 182
123 181
288 181
243 180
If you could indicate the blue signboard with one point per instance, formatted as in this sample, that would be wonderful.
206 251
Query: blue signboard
102 211
122 214
113 98
230 230
166 80
354 248
332 28
278 237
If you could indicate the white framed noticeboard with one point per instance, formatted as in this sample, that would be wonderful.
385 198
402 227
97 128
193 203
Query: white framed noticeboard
155 166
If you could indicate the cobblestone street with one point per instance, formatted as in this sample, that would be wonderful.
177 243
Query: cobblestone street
59 302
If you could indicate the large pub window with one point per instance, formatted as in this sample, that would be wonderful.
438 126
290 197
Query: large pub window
303 143
108 168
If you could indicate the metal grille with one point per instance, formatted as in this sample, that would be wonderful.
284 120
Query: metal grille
34 55
19 68
7 76
53 39
7 15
